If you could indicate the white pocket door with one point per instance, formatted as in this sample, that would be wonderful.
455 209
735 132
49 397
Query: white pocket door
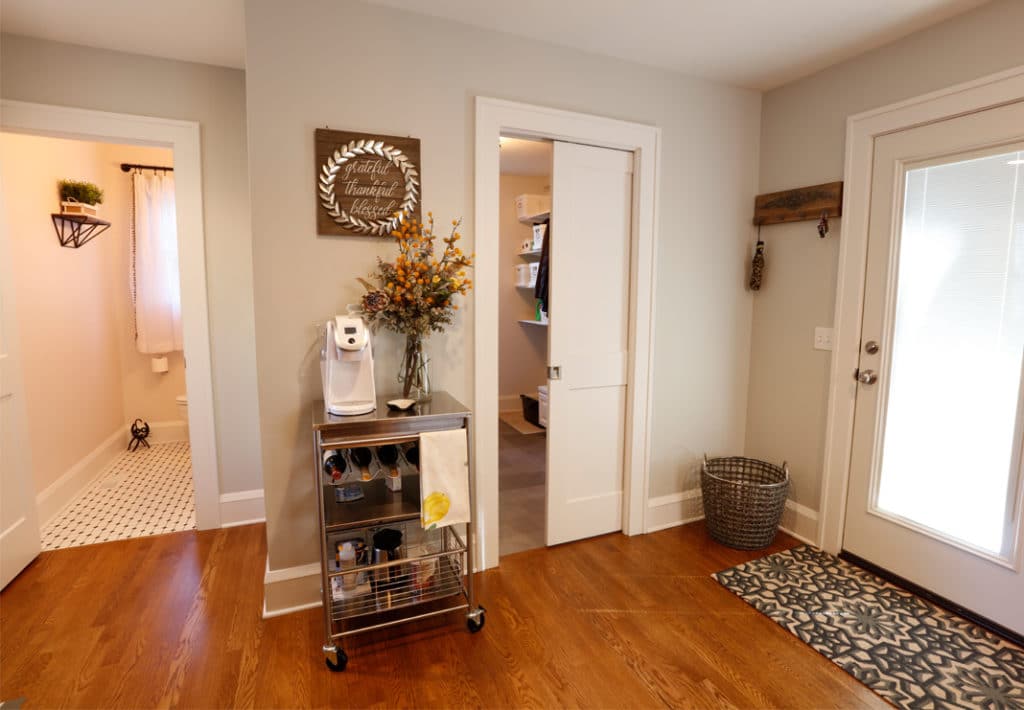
588 343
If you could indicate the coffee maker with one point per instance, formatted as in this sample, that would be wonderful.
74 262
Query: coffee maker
346 366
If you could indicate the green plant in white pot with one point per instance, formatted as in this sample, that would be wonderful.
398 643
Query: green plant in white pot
79 197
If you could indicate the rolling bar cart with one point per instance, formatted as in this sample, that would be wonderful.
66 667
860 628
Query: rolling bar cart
431 574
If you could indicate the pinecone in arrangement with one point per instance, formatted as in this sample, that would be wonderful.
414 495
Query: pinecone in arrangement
375 301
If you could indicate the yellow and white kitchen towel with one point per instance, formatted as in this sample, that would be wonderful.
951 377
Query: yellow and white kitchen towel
444 478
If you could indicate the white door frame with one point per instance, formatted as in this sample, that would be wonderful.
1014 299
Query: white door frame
183 137
495 117
861 131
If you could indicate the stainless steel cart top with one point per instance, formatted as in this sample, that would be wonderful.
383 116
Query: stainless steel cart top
385 425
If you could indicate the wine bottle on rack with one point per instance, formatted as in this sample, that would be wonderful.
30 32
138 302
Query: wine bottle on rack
412 455
362 457
388 456
334 465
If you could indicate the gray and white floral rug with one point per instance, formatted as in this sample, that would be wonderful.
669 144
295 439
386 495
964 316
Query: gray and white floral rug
909 651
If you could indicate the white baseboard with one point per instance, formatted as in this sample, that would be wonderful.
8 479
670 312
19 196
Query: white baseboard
291 589
665 512
288 610
161 432
674 509
801 522
56 496
242 508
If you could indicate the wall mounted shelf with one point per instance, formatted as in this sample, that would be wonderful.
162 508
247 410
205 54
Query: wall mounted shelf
530 254
535 218
74 230
535 322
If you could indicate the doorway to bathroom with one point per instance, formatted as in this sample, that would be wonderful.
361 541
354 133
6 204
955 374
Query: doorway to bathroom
99 328
20 540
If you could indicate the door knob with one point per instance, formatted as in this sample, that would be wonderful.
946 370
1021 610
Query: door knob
866 377
871 347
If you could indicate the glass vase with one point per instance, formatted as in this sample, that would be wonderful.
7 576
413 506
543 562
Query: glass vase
413 375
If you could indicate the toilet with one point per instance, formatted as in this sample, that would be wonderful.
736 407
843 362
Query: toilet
181 402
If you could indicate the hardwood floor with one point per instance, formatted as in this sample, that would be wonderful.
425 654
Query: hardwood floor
174 621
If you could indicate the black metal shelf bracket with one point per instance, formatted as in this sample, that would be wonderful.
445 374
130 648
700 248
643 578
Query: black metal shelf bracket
74 230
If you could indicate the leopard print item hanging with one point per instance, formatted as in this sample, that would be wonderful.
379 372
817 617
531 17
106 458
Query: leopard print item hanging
757 267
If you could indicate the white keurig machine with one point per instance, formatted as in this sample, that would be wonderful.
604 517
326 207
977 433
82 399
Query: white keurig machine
346 365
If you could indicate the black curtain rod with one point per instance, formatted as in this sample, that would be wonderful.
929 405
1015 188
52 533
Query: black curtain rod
125 167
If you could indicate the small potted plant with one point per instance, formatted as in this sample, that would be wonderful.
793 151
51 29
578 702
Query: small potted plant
78 197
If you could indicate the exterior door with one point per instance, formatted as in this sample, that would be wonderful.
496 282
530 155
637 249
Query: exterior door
935 484
591 219
19 526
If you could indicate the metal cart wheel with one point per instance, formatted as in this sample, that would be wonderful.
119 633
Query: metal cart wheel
475 619
336 658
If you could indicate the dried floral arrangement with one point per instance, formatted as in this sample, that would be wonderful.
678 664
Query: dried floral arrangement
414 295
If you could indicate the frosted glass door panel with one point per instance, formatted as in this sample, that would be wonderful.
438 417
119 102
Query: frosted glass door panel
951 438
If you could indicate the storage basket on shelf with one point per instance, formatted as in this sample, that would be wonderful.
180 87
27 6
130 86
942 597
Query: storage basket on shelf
743 500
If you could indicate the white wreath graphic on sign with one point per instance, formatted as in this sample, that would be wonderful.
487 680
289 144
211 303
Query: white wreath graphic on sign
329 173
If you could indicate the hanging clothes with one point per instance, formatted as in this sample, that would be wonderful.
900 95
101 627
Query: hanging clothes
156 289
540 292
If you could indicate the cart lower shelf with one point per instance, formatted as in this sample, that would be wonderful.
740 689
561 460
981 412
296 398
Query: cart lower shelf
337 660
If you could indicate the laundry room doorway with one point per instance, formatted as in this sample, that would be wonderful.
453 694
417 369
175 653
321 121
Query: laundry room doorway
599 278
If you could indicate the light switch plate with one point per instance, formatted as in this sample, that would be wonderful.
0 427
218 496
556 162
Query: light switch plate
822 338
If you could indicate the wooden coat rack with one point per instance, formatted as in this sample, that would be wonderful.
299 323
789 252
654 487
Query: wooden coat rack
804 203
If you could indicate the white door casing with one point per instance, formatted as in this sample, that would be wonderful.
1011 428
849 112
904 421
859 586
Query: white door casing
19 525
494 118
184 139
588 340
887 533
861 132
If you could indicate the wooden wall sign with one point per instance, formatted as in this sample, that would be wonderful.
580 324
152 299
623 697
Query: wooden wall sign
801 204
362 180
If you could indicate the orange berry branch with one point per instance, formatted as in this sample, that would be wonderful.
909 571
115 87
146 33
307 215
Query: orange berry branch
414 294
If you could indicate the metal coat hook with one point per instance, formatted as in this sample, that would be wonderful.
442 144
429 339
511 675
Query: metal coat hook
823 224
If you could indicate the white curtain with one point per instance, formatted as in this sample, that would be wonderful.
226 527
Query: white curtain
155 285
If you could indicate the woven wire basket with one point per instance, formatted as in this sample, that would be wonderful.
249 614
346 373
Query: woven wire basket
743 500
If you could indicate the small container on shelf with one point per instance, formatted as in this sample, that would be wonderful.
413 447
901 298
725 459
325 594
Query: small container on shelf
347 561
537 243
526 275
530 208
83 209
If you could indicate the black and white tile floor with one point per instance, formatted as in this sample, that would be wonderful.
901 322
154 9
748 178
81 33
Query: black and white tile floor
145 492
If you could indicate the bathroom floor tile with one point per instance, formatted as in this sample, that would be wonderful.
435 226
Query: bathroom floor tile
143 492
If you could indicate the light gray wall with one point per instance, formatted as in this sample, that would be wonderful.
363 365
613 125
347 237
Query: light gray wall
803 139
337 63
70 75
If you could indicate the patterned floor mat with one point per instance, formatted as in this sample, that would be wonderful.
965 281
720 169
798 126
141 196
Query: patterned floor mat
910 652
144 492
